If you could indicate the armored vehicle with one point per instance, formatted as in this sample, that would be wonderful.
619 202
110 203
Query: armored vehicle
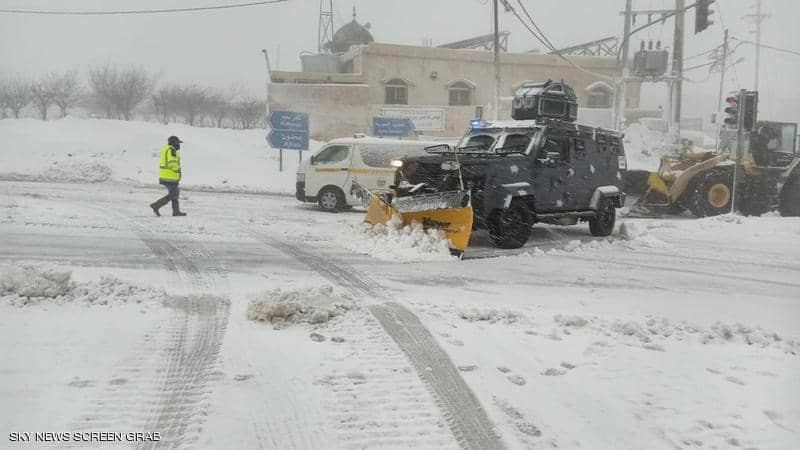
517 173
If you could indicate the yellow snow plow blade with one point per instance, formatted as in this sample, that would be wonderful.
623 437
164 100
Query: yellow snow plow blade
440 211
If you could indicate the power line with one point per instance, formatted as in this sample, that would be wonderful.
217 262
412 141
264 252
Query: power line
546 42
142 11
768 46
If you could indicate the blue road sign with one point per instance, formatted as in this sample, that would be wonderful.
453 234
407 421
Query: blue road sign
392 126
290 140
289 130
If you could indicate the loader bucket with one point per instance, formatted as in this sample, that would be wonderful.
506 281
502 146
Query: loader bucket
446 211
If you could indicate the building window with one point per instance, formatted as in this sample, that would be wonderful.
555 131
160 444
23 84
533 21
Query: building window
460 94
600 95
396 92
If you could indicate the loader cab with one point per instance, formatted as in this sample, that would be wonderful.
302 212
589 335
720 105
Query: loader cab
774 144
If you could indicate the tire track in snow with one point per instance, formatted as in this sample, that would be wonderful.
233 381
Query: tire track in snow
465 416
168 393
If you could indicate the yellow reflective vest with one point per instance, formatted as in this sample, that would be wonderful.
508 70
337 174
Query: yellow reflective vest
170 165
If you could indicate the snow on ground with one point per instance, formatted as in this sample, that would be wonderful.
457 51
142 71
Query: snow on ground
28 284
671 333
397 242
312 305
98 150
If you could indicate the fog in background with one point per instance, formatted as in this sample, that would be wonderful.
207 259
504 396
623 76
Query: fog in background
222 48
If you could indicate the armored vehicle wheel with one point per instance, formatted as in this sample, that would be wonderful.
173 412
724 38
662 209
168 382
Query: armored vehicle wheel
789 205
331 199
712 194
510 227
602 224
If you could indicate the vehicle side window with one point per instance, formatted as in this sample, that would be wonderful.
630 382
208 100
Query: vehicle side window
381 155
521 141
332 154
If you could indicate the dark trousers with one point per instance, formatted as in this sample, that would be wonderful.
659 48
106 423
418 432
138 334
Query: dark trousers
172 190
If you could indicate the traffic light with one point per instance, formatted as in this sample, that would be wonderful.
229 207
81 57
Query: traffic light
749 101
701 14
732 110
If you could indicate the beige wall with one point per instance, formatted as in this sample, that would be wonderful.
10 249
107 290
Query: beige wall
342 104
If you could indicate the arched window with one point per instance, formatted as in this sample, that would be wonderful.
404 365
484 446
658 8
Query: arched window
460 94
396 92
600 95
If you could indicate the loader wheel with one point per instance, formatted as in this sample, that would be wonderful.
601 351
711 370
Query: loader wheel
755 198
789 205
712 194
331 199
602 224
510 227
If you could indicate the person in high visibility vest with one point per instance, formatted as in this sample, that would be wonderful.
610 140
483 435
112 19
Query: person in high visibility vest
169 174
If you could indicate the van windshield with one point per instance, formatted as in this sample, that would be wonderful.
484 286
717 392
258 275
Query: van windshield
381 155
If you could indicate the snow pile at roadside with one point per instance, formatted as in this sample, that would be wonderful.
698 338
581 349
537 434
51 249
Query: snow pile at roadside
77 150
644 147
397 242
653 332
313 305
490 315
29 284
75 171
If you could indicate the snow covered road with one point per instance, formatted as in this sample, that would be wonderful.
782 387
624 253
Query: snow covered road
683 335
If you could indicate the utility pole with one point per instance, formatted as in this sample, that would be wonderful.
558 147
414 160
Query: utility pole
721 87
622 64
758 17
758 38
677 63
496 61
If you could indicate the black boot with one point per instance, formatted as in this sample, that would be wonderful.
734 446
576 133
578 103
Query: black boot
158 204
176 209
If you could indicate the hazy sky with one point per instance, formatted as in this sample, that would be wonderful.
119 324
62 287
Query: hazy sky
221 48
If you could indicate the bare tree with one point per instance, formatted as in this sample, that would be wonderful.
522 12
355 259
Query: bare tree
103 82
120 91
190 102
161 104
218 107
42 95
16 95
249 112
67 90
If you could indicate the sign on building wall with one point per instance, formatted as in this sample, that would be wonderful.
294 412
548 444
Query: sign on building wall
424 119
392 127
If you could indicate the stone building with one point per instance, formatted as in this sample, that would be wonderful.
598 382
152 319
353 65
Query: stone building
438 88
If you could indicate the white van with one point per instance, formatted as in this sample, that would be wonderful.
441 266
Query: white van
327 176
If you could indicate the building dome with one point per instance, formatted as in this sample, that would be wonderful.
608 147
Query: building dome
350 34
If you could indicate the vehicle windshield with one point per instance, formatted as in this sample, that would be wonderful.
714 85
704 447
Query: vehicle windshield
479 140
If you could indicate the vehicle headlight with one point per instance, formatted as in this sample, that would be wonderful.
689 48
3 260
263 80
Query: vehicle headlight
396 163
623 163
449 165
301 176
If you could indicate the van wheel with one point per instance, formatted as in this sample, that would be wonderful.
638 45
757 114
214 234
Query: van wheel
602 224
511 227
331 199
